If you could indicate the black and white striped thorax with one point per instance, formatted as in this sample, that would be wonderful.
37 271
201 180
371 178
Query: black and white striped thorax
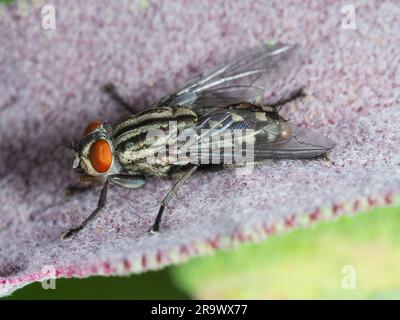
130 142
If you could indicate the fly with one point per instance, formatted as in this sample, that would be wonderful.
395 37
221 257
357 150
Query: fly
223 100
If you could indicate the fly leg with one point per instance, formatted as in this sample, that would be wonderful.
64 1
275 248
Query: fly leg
74 189
295 94
131 181
168 197
112 91
102 201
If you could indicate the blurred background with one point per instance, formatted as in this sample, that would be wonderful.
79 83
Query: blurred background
351 258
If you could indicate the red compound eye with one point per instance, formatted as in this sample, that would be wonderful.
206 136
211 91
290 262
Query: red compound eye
92 126
100 156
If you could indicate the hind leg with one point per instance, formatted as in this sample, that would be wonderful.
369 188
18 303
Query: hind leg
291 96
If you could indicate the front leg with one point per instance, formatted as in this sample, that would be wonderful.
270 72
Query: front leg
130 181
102 201
125 180
112 91
75 189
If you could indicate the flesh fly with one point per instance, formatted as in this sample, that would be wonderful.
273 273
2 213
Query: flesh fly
223 100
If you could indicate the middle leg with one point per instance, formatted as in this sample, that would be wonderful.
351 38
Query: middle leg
168 197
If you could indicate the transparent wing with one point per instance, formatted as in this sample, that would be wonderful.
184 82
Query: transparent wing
301 144
269 70
225 134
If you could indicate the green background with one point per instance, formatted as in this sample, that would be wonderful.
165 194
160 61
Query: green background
304 263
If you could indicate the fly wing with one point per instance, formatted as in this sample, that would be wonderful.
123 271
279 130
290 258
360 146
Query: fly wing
246 79
231 136
301 144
